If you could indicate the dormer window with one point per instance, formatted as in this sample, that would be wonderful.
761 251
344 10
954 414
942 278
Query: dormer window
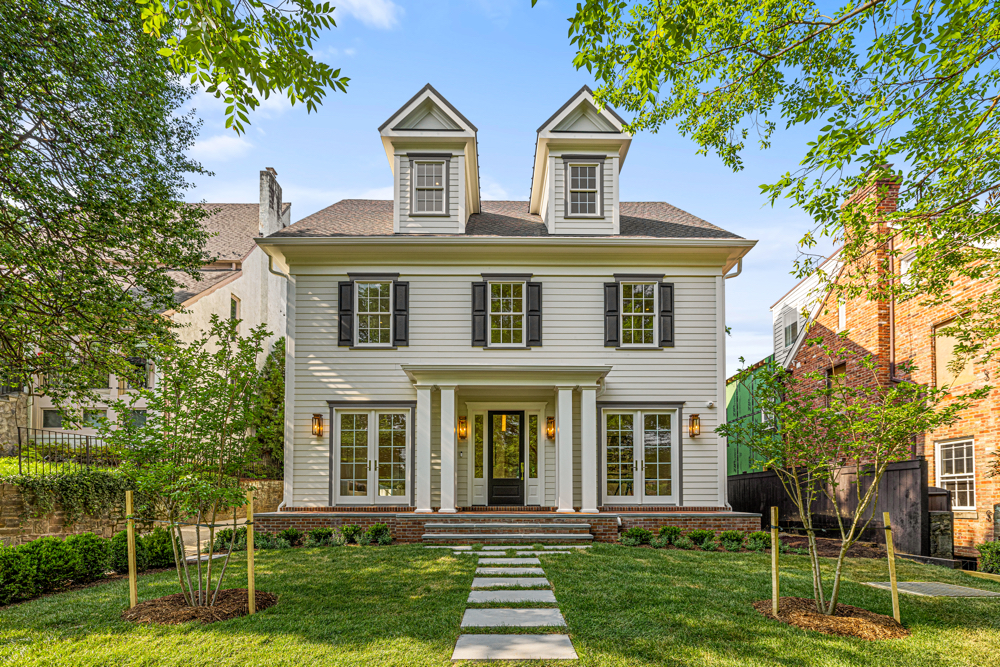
429 191
583 189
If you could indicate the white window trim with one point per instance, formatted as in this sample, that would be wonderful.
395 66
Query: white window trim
490 313
598 194
904 267
785 323
372 498
357 313
444 212
622 314
941 478
639 496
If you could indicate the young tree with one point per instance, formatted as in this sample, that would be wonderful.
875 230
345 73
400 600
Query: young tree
187 458
882 81
837 440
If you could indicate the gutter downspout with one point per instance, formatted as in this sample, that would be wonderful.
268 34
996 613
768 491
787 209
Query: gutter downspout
270 267
739 270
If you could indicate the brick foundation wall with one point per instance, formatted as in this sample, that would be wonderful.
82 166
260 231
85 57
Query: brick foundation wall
409 527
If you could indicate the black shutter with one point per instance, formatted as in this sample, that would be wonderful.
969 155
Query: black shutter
611 338
534 313
666 314
401 313
345 310
479 314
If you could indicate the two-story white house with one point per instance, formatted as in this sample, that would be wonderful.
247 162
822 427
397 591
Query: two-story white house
563 355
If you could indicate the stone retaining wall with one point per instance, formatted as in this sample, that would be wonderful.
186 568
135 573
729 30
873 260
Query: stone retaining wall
13 531
13 413
409 527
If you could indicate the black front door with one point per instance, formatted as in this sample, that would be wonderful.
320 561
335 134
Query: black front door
506 455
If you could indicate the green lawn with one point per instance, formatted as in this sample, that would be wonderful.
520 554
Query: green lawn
402 606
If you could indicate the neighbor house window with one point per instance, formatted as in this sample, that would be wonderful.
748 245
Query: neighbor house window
92 418
234 307
429 187
506 314
944 362
836 378
374 313
638 314
790 321
138 378
957 473
904 268
583 189
51 419
138 418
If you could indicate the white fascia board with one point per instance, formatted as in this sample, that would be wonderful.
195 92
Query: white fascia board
559 241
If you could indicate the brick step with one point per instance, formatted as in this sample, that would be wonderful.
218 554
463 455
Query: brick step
458 526
459 538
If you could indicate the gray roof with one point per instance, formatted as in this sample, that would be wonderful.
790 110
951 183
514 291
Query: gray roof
372 217
190 287
232 229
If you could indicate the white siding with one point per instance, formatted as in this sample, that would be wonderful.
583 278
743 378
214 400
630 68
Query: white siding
559 191
803 297
452 223
440 332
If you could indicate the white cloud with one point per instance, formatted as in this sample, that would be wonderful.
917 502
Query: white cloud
220 147
490 189
382 14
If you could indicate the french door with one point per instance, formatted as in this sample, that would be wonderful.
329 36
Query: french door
371 457
640 457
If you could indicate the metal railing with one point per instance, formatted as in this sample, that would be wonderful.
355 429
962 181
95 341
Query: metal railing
46 452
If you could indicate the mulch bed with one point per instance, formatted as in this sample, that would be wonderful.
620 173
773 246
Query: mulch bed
830 548
172 609
847 622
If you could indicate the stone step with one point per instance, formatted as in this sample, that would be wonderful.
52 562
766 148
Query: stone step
506 537
514 647
512 596
541 553
509 561
513 571
509 582
451 526
512 618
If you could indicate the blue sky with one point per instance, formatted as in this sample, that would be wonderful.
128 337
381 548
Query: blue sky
506 67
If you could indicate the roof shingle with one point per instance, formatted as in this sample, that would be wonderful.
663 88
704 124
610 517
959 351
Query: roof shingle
371 217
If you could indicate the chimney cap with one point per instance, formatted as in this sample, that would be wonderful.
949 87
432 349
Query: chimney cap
271 171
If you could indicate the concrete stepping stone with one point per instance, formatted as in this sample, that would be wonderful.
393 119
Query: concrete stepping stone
496 548
508 582
454 548
513 571
511 596
935 589
567 546
541 553
509 561
514 647
512 618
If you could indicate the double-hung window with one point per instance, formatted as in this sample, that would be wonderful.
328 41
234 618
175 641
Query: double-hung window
638 314
429 190
583 183
374 313
506 314
956 471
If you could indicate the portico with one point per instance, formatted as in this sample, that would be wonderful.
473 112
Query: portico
511 403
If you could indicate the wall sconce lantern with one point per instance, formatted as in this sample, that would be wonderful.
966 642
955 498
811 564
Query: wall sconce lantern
550 427
317 425
463 428
694 426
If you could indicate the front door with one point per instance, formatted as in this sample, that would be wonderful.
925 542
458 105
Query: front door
506 457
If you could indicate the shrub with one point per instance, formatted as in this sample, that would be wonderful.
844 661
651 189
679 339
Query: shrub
670 533
989 557
758 540
660 542
282 543
364 539
710 545
56 564
118 553
732 540
351 533
683 543
384 540
337 539
18 575
700 536
263 541
635 536
320 535
378 532
224 539
93 552
159 553
292 535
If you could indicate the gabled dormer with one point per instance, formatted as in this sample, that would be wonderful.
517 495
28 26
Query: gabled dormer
578 155
433 154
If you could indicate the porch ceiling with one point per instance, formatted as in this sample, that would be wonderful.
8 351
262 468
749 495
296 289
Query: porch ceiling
493 375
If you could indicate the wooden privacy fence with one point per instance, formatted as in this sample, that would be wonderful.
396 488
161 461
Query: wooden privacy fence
902 492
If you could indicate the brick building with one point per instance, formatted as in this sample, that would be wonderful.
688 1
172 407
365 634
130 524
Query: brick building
959 457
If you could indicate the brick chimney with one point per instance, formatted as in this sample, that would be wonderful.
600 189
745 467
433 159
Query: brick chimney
271 218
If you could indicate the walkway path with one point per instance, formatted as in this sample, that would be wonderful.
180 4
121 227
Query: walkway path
513 580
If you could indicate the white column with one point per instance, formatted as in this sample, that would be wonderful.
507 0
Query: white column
564 448
422 484
448 450
588 450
